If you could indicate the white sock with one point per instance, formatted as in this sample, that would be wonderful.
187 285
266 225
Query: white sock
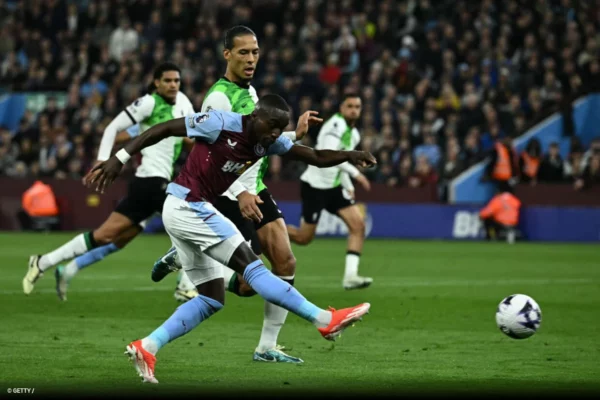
70 270
352 260
274 319
184 282
323 319
228 273
75 247
150 345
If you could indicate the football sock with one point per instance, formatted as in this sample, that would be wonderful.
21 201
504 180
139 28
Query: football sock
352 260
184 282
274 319
185 318
276 291
75 247
89 258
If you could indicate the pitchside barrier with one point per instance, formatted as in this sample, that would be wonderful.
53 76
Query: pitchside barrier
395 213
434 221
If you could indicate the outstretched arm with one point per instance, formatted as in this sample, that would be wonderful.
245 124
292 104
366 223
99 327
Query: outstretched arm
174 127
330 158
105 173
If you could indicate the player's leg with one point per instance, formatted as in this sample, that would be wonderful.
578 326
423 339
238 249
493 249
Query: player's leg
115 225
274 242
354 220
232 250
330 323
202 226
65 273
188 231
313 202
205 273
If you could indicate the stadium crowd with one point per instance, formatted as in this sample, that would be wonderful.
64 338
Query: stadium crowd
440 80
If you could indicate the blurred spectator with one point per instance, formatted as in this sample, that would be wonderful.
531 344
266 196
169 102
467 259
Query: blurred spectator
529 161
429 149
472 153
590 175
551 168
423 174
124 39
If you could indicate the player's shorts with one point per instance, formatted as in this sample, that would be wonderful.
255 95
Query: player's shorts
203 237
316 200
268 208
231 210
145 197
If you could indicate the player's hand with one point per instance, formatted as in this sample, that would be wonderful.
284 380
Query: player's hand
103 174
305 121
249 206
96 163
362 159
364 182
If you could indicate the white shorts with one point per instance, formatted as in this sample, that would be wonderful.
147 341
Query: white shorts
203 237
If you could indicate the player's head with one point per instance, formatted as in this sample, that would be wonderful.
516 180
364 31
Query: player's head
167 80
350 107
269 118
241 52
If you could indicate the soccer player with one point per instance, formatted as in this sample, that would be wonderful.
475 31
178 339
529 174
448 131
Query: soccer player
248 197
322 189
226 144
146 192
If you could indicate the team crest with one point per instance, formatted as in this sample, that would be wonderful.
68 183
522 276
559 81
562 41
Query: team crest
201 118
259 150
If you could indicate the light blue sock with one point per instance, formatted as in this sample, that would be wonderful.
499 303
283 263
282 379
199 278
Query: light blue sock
95 255
184 319
277 291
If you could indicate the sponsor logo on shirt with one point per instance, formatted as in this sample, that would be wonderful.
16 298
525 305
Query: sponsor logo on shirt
235 167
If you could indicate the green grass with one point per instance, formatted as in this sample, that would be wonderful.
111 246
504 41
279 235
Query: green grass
431 325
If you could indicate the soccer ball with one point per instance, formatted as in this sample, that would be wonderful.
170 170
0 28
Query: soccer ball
518 316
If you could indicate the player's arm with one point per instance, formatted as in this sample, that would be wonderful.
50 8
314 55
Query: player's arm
320 158
201 126
331 158
132 115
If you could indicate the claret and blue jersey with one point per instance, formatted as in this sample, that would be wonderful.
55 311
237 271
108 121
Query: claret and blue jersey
222 152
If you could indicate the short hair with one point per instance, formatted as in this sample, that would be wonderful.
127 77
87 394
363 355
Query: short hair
349 95
164 67
232 33
272 102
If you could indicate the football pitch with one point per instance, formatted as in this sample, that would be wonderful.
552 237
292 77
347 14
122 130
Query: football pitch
431 326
